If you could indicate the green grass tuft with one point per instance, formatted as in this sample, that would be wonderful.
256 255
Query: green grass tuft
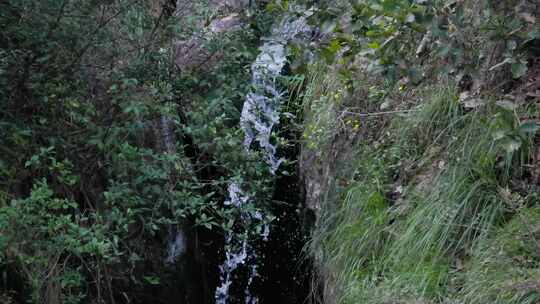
505 267
455 173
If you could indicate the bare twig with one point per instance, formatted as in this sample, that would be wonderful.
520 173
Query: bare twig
378 113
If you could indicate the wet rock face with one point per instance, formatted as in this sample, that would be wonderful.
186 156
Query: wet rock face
190 54
319 168
234 4
225 24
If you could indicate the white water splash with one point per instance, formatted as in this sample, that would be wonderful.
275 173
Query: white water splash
168 137
177 245
232 261
237 197
177 240
252 275
261 108
259 115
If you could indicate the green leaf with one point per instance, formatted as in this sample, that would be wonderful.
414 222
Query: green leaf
390 5
511 145
334 46
529 127
511 45
534 34
374 45
328 26
498 135
152 280
519 68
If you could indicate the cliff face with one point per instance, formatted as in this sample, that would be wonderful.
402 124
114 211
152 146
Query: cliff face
420 153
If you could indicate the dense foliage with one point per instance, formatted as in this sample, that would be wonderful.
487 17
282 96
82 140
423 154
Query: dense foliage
106 143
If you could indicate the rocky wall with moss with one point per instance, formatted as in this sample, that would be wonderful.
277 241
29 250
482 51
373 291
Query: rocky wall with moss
420 152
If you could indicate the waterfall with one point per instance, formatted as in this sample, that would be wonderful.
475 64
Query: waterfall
260 114
177 244
177 239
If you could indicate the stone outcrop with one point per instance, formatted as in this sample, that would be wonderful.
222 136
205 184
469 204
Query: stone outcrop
191 54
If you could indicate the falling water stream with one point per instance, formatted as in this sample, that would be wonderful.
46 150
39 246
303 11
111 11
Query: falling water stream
260 114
